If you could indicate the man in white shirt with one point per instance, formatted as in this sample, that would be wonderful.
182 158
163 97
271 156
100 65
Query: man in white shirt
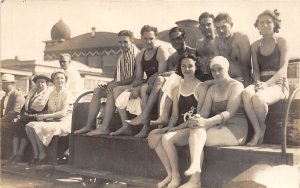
74 80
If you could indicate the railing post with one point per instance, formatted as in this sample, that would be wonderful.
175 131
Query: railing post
284 127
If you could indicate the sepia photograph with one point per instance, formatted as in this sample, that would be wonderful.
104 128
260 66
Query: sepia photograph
150 93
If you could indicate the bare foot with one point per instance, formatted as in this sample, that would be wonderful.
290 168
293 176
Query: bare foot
254 141
174 183
192 170
124 130
164 182
262 134
194 181
98 132
191 185
140 120
159 121
143 133
83 130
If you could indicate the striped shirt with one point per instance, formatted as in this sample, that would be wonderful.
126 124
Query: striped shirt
126 64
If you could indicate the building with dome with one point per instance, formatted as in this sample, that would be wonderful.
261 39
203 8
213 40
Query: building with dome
191 27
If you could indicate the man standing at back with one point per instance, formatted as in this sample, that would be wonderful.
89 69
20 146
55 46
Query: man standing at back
235 46
74 80
205 47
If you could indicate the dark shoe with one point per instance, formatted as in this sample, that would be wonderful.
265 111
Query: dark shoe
17 159
33 162
11 159
42 161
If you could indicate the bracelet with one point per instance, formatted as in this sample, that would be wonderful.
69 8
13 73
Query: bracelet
223 118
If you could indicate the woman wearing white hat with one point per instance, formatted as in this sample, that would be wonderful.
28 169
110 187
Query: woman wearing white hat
56 121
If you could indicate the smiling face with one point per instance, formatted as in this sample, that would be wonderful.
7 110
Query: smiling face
41 84
177 40
64 62
207 27
149 39
188 67
59 80
125 43
218 71
223 28
265 25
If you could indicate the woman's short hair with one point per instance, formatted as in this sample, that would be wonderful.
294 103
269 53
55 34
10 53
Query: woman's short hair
148 28
58 72
275 17
126 33
223 16
198 71
177 29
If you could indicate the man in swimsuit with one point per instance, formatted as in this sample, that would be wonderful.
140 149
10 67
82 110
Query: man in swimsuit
205 47
152 61
235 46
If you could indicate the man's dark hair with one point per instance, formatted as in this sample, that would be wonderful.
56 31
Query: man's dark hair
177 29
148 28
206 15
223 16
126 33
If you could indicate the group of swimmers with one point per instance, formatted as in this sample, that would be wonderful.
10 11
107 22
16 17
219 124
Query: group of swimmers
200 91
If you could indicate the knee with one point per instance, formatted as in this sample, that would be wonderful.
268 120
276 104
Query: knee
98 91
159 80
247 94
165 141
258 100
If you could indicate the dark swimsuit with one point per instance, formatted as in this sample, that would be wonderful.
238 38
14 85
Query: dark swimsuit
272 63
150 67
187 104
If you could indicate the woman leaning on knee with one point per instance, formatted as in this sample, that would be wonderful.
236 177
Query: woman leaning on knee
221 121
270 62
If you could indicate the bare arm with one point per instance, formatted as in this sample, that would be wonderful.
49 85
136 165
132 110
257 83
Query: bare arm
201 93
245 57
138 70
175 111
234 101
256 71
66 106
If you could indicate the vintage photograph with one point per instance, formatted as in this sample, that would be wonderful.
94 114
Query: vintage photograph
150 93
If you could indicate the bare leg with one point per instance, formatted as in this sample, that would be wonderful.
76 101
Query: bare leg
93 110
23 145
261 101
31 137
196 143
164 118
144 132
249 108
165 161
125 129
144 117
16 143
41 147
109 112
169 141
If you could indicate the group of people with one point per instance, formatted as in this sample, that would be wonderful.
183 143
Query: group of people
45 112
204 95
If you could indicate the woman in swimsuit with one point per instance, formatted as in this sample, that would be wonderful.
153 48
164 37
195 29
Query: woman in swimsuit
270 63
187 98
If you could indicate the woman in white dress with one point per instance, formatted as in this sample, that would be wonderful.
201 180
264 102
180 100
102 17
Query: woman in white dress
57 120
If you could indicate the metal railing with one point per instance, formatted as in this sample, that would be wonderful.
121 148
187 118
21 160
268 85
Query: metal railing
284 127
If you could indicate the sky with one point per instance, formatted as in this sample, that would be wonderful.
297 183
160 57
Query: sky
25 24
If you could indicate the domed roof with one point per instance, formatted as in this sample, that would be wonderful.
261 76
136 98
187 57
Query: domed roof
60 31
193 34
